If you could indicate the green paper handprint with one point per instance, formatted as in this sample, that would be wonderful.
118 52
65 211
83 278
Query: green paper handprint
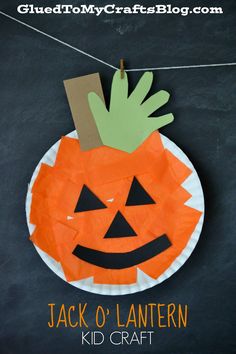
127 123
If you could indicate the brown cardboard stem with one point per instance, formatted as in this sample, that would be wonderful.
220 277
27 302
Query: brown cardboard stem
77 90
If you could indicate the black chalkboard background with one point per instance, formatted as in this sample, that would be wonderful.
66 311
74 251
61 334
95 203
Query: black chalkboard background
34 114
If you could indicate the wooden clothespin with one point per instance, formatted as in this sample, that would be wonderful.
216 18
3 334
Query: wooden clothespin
122 68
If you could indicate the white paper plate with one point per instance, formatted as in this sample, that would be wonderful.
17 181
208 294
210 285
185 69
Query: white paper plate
191 184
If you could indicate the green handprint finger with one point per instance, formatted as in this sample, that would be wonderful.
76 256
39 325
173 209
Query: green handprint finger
97 107
142 88
154 123
119 90
154 102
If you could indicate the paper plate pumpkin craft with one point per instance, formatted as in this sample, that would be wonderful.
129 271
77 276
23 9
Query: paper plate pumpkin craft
120 209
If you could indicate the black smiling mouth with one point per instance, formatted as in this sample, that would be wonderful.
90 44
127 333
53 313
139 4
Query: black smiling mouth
126 259
119 228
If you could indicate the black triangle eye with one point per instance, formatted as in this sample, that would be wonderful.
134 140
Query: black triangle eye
88 201
138 195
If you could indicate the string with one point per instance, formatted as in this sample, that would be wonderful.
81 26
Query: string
108 64
182 67
59 41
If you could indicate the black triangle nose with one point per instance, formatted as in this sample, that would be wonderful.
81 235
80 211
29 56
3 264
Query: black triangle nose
119 228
